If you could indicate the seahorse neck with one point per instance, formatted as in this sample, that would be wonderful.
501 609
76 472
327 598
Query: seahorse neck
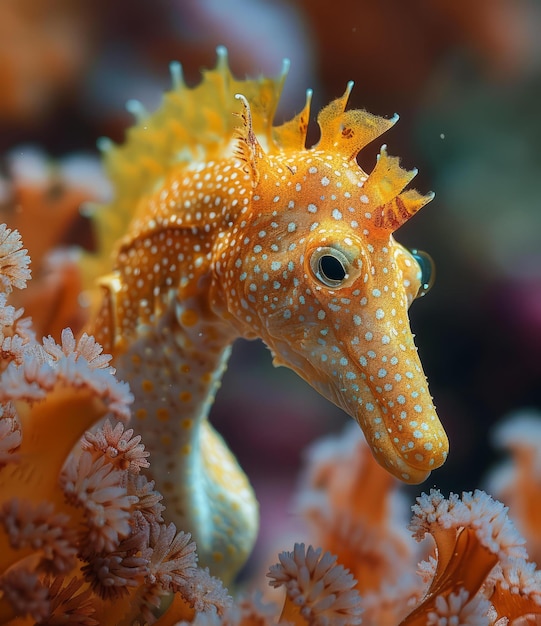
174 368
173 349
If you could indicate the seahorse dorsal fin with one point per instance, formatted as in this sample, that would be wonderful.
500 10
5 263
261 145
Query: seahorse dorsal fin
384 190
291 135
348 132
248 148
191 123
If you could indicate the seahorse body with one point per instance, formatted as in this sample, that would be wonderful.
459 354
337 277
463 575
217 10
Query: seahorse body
224 225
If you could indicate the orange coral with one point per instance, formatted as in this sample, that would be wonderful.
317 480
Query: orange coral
478 574
42 199
518 482
481 567
81 530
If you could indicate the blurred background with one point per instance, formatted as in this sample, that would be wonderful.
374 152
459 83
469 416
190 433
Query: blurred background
465 78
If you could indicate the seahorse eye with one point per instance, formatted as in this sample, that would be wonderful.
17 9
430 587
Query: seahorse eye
427 269
329 266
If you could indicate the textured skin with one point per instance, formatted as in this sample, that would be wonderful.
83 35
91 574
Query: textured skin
225 226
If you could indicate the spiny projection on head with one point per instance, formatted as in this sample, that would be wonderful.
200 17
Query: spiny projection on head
225 226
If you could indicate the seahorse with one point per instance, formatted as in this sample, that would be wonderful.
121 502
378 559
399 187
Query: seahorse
224 225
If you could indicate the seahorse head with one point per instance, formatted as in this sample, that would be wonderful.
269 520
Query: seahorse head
316 273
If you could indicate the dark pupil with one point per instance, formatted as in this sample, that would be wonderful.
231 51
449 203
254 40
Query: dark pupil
331 268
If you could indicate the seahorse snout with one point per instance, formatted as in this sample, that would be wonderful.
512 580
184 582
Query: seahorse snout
408 439
395 410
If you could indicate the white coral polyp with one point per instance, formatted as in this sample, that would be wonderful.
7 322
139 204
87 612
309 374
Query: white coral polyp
45 366
118 444
100 489
476 510
521 577
457 609
433 509
323 590
10 433
493 527
172 557
38 526
86 348
14 260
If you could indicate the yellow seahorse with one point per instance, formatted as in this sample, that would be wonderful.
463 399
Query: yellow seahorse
225 226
